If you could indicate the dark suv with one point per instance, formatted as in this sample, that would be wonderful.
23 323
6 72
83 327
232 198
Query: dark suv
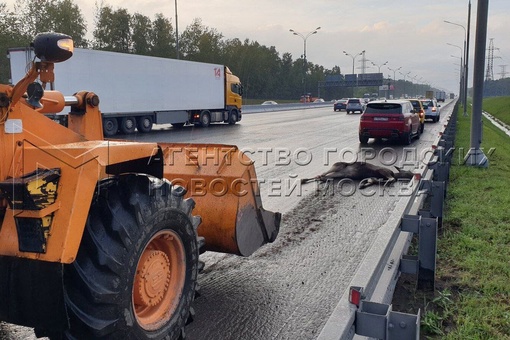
392 119
340 105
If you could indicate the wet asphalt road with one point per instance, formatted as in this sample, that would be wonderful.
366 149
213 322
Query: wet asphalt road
288 289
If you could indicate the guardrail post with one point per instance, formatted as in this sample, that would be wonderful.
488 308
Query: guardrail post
378 320
436 190
441 171
423 265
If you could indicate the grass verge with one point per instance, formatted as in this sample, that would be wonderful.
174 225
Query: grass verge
474 249
498 107
472 297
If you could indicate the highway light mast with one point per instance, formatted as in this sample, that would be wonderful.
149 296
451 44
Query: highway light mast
304 37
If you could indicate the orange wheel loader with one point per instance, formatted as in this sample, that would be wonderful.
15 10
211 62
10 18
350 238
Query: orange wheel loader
101 239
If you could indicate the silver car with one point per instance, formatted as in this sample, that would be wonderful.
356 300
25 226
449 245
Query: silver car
432 109
354 104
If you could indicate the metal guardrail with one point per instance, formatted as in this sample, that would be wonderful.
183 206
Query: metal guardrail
365 309
247 109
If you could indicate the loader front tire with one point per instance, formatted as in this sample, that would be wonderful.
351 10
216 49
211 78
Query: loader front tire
136 270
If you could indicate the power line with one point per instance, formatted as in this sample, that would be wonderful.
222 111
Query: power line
503 72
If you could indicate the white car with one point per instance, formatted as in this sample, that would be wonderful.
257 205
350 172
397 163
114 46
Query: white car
269 102
432 109
354 104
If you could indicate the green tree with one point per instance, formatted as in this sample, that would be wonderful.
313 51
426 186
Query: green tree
35 15
30 17
10 36
113 30
141 27
201 43
162 37
66 18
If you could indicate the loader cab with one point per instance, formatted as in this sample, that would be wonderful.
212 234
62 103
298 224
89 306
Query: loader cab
234 90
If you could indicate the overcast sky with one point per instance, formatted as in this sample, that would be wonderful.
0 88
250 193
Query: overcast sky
406 33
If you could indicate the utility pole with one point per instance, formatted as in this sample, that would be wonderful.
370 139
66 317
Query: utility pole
176 31
489 74
466 60
475 156
363 63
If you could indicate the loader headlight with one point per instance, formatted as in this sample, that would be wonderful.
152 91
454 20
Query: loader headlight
53 47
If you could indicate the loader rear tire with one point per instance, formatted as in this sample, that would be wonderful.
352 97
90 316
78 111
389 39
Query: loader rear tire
136 270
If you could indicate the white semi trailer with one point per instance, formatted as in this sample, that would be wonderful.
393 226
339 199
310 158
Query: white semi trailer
138 91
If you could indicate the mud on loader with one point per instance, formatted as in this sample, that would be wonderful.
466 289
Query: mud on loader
97 240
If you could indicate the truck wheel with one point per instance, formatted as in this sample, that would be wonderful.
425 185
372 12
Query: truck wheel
127 125
136 270
110 126
144 124
232 117
205 119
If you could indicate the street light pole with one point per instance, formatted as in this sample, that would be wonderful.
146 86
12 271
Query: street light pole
304 37
379 66
176 31
394 80
415 85
405 75
353 59
466 54
462 75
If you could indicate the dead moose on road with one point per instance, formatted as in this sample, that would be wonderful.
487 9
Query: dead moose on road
366 172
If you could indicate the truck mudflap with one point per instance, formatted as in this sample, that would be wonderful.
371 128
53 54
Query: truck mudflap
222 181
32 293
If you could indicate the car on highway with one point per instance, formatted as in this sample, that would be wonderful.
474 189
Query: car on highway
269 102
390 119
340 105
319 100
432 109
418 107
354 105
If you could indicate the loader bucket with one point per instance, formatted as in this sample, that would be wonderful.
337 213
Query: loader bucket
222 181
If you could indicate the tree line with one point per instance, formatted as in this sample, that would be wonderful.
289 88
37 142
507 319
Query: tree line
264 72
496 88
